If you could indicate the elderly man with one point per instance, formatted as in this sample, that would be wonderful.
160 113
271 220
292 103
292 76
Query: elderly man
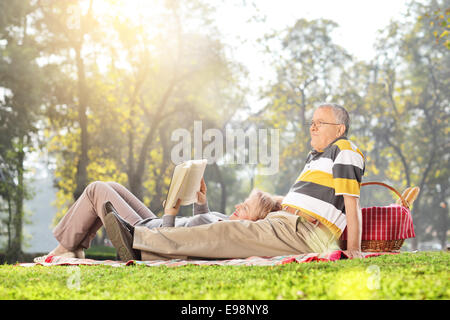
323 200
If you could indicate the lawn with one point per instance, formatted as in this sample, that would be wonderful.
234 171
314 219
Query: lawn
421 275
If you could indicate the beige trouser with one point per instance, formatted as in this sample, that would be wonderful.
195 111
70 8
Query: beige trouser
82 221
280 233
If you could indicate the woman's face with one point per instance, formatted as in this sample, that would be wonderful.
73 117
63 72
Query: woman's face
244 210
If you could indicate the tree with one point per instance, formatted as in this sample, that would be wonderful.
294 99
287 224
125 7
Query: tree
152 84
66 29
308 65
19 108
414 119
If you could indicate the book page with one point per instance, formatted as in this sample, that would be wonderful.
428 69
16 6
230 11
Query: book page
191 183
176 184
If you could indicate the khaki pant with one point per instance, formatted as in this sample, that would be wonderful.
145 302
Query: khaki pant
83 219
280 233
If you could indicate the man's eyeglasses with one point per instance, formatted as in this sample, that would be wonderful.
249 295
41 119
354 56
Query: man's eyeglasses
318 124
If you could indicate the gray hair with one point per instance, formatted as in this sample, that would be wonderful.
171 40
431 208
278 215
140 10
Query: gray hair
340 113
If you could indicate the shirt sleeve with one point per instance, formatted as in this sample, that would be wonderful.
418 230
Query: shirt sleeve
348 170
200 208
168 220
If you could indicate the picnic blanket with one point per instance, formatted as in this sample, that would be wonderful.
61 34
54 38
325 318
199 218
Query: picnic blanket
251 261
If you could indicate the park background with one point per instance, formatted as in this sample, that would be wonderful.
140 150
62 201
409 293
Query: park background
92 90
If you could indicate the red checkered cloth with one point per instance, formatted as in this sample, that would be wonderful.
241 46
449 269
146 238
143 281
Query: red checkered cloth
385 223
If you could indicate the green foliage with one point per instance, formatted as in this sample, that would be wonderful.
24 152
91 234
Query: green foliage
439 21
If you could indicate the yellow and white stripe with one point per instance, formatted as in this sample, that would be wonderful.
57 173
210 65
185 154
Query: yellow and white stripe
323 211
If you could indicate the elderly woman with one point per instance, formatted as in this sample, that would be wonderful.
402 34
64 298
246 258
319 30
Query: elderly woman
79 226
256 207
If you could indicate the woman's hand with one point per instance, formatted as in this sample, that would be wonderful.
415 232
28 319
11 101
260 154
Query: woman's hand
173 211
201 195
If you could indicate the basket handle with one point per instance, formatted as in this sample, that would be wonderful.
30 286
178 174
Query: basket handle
404 202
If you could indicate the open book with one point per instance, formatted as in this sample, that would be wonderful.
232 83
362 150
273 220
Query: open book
185 183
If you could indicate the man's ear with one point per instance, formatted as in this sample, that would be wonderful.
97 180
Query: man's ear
341 131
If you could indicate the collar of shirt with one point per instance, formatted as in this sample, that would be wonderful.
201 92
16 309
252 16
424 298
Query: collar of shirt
315 152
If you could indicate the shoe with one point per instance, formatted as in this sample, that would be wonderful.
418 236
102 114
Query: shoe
120 236
108 207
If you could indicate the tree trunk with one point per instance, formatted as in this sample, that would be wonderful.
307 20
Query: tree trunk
156 202
442 234
137 177
399 152
81 174
14 253
415 240
223 186
443 220
10 216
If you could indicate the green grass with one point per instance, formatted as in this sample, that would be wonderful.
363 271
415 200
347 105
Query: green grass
422 275
101 253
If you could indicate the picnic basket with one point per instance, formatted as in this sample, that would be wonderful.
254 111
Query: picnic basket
380 245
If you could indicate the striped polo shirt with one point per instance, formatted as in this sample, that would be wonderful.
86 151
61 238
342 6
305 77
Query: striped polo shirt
327 176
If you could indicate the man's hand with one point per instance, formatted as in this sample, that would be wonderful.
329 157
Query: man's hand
173 211
352 254
202 193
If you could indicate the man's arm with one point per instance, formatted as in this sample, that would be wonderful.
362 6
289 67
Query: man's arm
354 226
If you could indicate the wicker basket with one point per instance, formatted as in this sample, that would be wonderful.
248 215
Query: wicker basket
379 245
376 245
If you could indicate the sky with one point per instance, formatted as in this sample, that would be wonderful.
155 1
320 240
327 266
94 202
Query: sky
358 20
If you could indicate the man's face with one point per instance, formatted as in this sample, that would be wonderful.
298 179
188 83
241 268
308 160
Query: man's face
324 134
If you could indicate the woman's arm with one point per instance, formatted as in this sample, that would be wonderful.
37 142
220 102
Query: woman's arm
200 208
168 219
202 204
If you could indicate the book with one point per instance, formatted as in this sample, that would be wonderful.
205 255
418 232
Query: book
185 183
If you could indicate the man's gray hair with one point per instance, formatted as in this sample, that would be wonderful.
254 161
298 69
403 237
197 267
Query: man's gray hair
340 113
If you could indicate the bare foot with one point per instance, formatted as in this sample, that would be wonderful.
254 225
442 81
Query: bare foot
60 251
79 253
63 252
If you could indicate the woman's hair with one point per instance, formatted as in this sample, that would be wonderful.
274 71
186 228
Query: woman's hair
266 204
